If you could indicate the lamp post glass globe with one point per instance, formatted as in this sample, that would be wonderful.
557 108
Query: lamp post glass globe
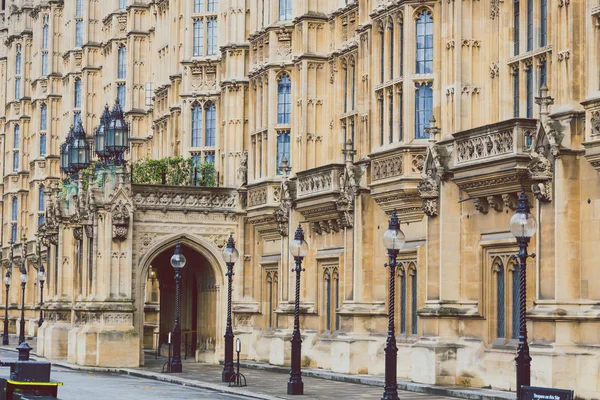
393 238
178 259
24 278
298 246
523 224
230 253
7 279
41 275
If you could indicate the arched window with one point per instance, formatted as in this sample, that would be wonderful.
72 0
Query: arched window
211 124
121 94
498 269
77 94
43 117
284 90
283 148
41 205
211 46
18 60
413 302
14 209
285 10
391 29
353 77
122 4
198 37
345 66
18 67
381 54
198 6
196 126
423 109
122 63
332 291
42 201
402 274
16 137
45 30
42 144
425 43
212 5
78 33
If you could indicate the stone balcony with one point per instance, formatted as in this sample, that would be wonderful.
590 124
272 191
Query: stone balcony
394 178
493 160
317 194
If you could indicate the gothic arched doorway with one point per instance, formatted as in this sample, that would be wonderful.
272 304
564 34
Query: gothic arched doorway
200 298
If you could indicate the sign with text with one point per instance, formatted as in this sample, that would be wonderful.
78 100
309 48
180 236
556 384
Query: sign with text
540 393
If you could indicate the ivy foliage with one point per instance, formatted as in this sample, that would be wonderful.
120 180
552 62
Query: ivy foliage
175 171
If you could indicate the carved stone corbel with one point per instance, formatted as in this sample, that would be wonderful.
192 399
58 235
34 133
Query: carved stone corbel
120 221
495 202
349 187
434 172
545 149
481 205
510 200
286 200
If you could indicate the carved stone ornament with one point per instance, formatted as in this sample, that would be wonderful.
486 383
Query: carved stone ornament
544 149
595 123
120 221
89 231
481 204
495 203
286 201
243 169
349 184
434 171
78 233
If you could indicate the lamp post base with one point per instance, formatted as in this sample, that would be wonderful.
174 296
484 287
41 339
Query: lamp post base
295 388
5 340
227 374
175 366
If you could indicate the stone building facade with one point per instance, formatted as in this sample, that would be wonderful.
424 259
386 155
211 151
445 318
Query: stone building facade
440 110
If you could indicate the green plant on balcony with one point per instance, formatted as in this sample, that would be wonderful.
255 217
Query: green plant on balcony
174 171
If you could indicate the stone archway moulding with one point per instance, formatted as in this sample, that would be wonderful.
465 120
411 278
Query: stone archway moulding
201 245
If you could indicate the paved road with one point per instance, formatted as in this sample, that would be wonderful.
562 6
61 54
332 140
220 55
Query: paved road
80 385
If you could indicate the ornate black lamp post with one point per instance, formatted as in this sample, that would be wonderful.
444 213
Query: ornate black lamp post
393 240
230 255
7 282
178 262
41 279
523 226
24 279
299 249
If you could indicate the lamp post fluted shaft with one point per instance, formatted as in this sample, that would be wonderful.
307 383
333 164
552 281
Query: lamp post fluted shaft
22 323
228 370
295 384
391 349
176 360
5 333
523 359
41 320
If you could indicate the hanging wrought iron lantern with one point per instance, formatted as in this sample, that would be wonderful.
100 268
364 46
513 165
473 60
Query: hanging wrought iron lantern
79 150
100 135
117 135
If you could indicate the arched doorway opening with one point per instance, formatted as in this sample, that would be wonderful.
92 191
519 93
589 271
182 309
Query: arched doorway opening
200 299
